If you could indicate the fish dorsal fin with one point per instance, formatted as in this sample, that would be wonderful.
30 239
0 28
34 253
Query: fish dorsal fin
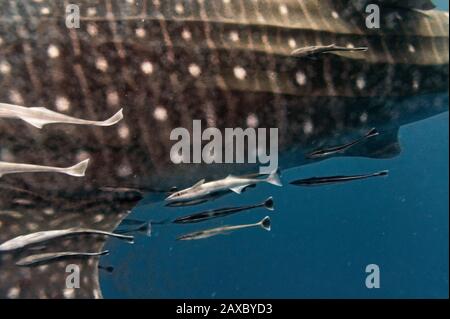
238 189
385 145
200 182
35 122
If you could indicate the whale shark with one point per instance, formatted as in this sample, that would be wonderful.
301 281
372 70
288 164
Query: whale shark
167 63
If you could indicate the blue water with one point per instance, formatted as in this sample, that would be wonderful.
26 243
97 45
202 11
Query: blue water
321 239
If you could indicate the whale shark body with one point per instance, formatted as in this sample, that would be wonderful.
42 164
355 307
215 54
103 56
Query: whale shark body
167 63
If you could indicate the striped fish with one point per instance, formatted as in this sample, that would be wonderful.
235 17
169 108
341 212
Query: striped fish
228 63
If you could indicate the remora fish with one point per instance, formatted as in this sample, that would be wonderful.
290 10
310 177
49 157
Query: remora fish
342 148
264 223
221 212
314 51
45 257
43 236
233 183
40 116
77 170
316 181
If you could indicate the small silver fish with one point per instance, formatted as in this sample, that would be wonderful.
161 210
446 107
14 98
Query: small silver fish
341 148
264 223
41 258
40 116
316 181
42 236
77 170
222 212
233 183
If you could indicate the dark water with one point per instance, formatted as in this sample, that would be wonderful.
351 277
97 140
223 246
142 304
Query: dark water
321 240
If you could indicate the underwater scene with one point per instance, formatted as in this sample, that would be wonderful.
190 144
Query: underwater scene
224 149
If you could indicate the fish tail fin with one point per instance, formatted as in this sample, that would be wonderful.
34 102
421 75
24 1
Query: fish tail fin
274 178
382 173
373 132
113 119
147 229
268 203
103 253
265 223
78 170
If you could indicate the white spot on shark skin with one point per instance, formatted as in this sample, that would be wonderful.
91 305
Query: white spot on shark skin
98 218
15 97
300 77
252 120
364 117
411 48
239 72
91 11
45 11
179 8
112 97
361 82
350 45
124 170
13 293
1 40
308 127
147 67
92 29
186 34
62 104
101 64
416 84
5 68
234 36
49 211
140 32
69 293
160 113
123 131
283 9
194 70
292 43
226 1
82 155
130 1
53 51
335 15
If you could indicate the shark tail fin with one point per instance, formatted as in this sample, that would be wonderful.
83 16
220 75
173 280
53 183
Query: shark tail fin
373 132
274 179
265 223
78 170
113 119
268 203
